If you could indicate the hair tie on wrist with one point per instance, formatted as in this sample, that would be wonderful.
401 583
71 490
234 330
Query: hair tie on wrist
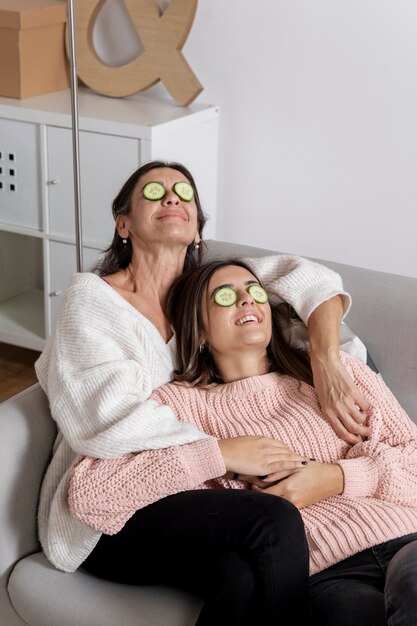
235 476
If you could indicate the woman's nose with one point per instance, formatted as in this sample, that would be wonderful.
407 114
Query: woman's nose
244 298
170 199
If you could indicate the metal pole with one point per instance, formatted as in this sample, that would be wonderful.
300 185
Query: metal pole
75 136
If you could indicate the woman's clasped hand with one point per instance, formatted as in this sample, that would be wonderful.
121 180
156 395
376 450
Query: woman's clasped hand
253 455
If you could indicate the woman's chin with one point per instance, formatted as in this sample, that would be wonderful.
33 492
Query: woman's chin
178 231
254 336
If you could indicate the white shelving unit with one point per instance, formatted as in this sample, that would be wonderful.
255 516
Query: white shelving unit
37 231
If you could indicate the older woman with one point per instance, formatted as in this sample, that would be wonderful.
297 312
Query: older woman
112 347
238 377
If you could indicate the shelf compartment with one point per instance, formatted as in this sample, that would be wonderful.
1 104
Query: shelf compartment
22 320
22 299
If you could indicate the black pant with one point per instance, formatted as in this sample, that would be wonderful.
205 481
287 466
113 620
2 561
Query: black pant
376 587
245 553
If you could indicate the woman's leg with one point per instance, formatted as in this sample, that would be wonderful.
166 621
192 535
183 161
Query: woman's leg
401 586
350 593
230 588
242 551
376 587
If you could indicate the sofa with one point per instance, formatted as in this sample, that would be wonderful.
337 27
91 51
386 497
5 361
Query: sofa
384 315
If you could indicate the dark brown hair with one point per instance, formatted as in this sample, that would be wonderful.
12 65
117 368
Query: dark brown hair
118 255
197 367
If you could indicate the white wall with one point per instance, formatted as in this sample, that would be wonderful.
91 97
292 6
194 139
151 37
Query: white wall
318 137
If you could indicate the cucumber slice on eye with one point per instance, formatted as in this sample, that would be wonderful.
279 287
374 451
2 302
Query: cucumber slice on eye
184 191
154 191
226 296
258 293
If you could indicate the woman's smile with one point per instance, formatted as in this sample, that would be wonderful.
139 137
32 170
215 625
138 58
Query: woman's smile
172 214
249 318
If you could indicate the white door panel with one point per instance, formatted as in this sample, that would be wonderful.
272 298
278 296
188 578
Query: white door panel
106 161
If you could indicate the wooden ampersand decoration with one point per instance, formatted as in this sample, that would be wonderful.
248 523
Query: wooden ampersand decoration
163 36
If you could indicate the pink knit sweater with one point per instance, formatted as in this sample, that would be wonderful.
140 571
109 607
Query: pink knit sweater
379 501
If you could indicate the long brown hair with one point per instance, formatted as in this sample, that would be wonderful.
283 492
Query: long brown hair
118 255
195 366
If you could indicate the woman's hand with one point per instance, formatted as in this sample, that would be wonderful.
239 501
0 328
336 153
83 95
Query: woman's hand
315 483
259 456
341 402
264 481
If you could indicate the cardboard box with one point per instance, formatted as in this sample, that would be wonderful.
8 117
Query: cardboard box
32 47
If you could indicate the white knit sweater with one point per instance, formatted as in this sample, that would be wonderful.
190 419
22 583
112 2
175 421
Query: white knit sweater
100 367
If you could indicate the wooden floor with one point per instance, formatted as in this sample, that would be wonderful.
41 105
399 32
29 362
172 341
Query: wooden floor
16 370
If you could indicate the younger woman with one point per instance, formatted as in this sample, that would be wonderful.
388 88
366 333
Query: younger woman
235 376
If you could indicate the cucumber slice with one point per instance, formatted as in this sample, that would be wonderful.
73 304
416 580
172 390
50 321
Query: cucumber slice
184 191
154 191
258 293
226 296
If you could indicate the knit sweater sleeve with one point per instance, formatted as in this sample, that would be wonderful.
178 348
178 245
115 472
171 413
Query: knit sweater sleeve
299 282
99 370
384 466
104 494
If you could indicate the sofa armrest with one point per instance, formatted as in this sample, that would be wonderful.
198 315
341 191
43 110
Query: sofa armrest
27 432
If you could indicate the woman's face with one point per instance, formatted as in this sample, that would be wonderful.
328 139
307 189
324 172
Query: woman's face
168 220
243 325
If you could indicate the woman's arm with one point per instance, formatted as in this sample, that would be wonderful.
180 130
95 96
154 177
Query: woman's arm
104 494
343 405
301 283
316 293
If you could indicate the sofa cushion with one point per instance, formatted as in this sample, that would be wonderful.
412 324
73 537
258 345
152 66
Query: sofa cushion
44 596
